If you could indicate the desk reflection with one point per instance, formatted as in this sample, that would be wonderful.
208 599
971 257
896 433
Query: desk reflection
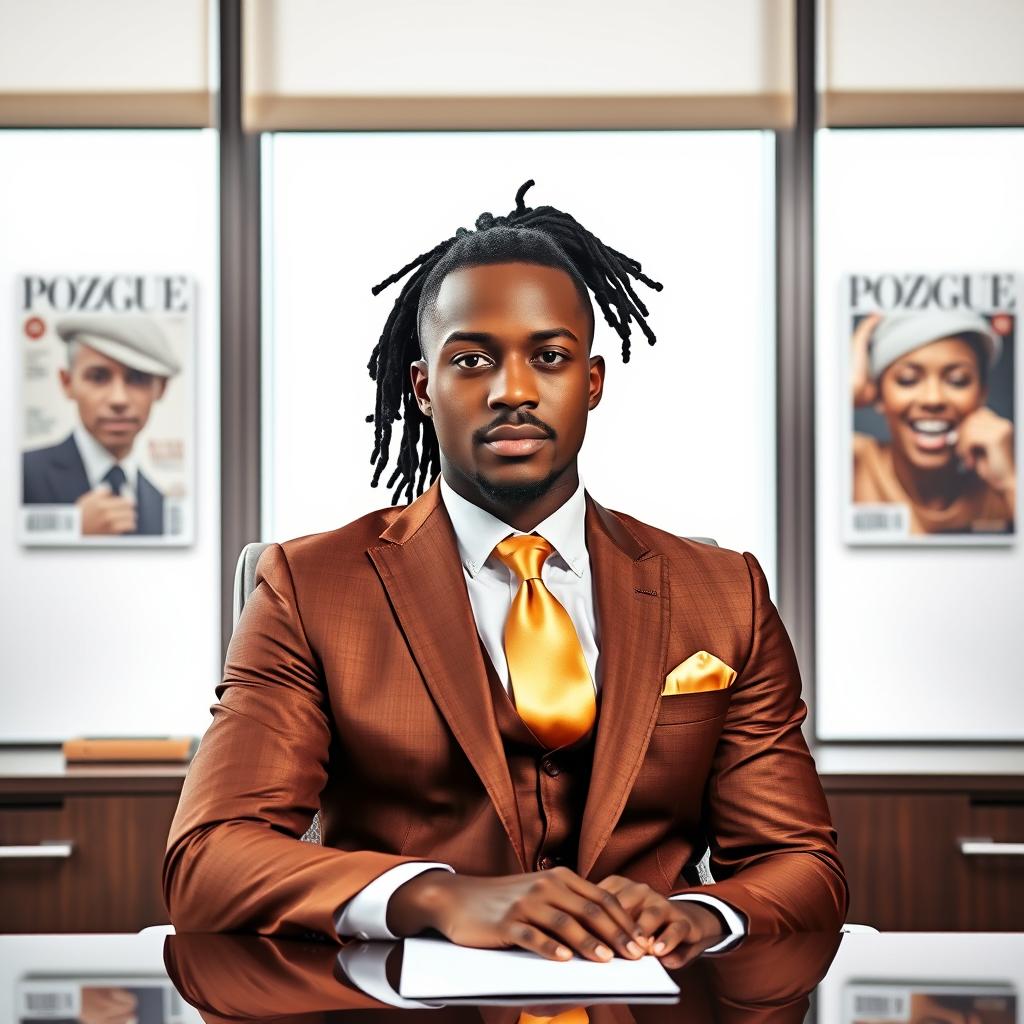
248 978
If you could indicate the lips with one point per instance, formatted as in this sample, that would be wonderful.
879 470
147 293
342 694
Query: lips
514 441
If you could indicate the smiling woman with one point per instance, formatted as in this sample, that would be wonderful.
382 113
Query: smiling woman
950 458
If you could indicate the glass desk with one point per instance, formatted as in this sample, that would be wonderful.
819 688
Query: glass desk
157 978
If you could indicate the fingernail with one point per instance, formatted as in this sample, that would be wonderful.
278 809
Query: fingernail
659 948
563 952
952 437
604 952
633 949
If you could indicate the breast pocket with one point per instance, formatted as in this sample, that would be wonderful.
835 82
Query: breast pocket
690 708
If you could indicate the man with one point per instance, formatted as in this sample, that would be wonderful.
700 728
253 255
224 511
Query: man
522 717
117 367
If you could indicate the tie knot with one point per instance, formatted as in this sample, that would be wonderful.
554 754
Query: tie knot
524 555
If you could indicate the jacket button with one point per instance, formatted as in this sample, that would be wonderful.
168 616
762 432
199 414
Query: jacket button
550 767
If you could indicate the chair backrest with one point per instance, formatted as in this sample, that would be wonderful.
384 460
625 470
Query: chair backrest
245 577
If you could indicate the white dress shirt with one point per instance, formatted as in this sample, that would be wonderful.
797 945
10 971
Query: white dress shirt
98 462
492 586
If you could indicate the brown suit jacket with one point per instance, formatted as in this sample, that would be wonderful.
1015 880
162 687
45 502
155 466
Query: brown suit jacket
355 683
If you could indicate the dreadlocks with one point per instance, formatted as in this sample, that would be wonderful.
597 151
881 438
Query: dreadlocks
544 236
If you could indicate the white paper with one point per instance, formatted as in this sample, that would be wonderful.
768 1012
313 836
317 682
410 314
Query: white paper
437 969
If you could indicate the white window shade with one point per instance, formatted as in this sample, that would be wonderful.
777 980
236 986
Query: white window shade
537 64
923 62
107 63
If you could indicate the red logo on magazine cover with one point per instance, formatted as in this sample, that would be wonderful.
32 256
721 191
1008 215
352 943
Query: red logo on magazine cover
1002 324
34 327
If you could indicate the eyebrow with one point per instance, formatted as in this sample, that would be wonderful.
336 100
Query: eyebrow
484 337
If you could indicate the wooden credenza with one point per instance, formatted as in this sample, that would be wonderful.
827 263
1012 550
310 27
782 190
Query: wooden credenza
81 847
935 844
901 836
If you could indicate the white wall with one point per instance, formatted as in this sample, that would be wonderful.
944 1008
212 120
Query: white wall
102 641
684 438
920 643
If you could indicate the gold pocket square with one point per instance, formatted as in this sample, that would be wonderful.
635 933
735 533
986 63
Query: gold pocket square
701 671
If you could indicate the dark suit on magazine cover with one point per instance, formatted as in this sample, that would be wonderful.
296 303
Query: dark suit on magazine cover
56 476
356 684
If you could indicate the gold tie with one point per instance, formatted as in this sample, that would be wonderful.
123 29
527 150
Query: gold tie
574 1015
550 679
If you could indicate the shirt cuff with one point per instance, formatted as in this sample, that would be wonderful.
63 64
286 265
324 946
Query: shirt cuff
732 920
365 916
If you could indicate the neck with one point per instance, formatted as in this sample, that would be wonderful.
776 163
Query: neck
520 515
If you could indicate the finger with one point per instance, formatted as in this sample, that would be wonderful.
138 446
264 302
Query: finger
562 926
607 900
526 936
687 951
674 933
633 898
654 917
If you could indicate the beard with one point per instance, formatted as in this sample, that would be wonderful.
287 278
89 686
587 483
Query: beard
515 494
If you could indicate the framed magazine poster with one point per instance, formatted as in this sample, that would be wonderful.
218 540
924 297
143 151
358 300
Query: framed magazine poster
107 381
929 405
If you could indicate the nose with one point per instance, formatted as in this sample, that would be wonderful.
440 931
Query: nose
514 386
932 394
117 396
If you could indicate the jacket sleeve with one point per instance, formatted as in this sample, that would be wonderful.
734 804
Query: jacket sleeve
773 847
234 858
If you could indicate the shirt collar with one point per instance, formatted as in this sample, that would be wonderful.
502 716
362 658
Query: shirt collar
98 461
477 531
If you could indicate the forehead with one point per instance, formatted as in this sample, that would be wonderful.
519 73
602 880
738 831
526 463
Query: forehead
506 296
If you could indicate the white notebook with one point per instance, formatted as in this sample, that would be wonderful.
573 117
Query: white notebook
438 969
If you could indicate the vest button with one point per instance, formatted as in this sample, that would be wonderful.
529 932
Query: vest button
550 767
546 863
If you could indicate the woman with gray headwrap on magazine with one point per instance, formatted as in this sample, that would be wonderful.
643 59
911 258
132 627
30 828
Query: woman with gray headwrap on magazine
950 459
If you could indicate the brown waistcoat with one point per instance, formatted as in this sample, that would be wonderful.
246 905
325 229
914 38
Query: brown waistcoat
550 787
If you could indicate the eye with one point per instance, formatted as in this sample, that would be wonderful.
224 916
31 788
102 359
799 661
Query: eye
552 357
960 381
471 360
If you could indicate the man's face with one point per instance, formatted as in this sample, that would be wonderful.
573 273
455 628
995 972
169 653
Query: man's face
113 400
507 376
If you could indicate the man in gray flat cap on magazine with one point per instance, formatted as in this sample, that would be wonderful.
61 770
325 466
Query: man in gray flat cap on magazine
117 367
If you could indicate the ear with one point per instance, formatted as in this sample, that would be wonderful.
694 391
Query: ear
65 382
161 387
596 381
420 381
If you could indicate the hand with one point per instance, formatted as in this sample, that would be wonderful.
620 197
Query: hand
865 391
679 930
985 444
554 913
105 512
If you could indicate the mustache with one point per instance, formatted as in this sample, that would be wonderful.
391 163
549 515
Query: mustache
516 420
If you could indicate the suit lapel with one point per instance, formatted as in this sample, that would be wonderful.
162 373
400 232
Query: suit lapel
68 478
419 566
631 598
